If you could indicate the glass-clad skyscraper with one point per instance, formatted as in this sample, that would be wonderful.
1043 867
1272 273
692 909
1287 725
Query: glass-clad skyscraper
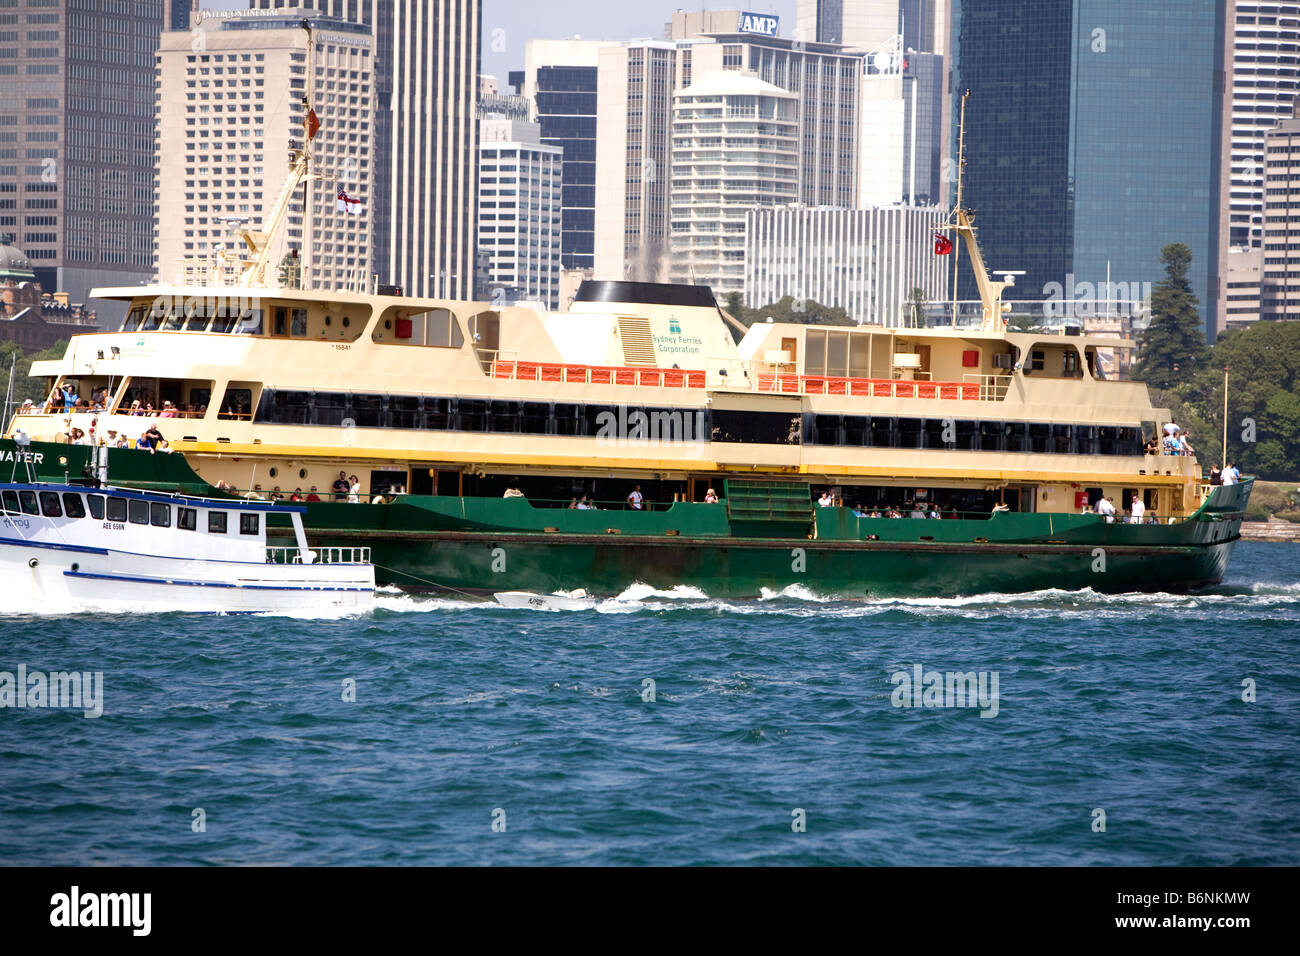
566 110
1092 139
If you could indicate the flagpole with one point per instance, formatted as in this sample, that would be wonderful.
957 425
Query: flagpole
306 147
1225 418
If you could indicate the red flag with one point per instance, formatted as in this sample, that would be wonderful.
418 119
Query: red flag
313 124
942 244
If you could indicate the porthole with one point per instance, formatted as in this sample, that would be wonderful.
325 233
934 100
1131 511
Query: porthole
302 472
274 472
76 568
346 321
388 323
328 320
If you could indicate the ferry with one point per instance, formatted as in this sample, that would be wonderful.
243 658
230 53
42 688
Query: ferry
643 435
67 548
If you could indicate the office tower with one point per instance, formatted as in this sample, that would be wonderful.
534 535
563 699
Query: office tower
1262 60
1092 140
900 154
560 76
734 147
861 24
1279 292
176 14
865 261
76 131
229 107
426 137
519 212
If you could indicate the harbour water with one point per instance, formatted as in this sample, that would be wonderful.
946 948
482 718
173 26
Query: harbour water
669 728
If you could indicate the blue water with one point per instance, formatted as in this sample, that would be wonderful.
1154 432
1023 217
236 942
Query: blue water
1131 705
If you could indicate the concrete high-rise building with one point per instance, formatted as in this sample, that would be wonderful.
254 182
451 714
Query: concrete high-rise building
227 111
861 24
519 215
76 136
425 138
865 261
560 76
1262 63
1279 291
734 147
900 155
1081 157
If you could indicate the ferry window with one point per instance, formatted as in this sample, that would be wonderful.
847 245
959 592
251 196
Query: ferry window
404 411
152 319
11 502
28 500
216 522
160 514
1015 438
237 404
443 330
137 511
1085 440
329 408
1040 438
1106 444
438 413
96 503
1063 439
248 524
116 509
990 436
537 418
566 419
814 352
224 321
855 430
472 412
967 436
197 321
1037 359
825 430
934 433
187 519
250 323
909 433
882 432
281 316
50 504
133 320
504 417
298 323
72 505
368 410
1070 364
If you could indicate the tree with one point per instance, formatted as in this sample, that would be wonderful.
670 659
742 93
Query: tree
25 387
916 302
1172 349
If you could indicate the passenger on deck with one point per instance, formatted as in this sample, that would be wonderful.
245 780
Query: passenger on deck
635 498
1137 510
1001 506
1106 508
255 494
1216 476
152 435
573 504
858 512
341 487
69 396
710 497
297 495
142 444
585 505
918 510
164 447
935 512
1231 475
354 490
168 410
952 512
1151 447
311 495
825 501
513 490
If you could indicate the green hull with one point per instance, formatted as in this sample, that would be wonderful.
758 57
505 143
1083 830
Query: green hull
765 538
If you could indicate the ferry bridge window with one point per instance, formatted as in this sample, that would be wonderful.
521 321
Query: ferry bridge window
1015 436
934 429
298 323
248 523
567 419
28 501
504 416
882 432
290 408
116 509
536 419
471 414
1063 439
250 323
238 404
225 319
770 428
216 522
137 511
72 505
329 408
160 514
404 411
909 433
187 519
50 504
1107 439
96 503
11 502
280 320
967 435
133 319
990 436
826 430
1040 438
855 430
368 411
1085 440
438 413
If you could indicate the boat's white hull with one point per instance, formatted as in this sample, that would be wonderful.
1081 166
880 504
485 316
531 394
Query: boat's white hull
544 602
52 579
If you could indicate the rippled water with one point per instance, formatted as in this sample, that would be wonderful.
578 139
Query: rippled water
468 713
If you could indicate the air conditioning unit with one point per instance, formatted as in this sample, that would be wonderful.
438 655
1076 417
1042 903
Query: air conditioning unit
1002 360
907 360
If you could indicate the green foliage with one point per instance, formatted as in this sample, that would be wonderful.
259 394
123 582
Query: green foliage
788 309
1263 401
1172 349
25 387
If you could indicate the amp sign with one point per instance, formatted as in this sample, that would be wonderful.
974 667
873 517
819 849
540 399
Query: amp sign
761 23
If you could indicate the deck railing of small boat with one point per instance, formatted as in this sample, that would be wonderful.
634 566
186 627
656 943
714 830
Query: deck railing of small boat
294 555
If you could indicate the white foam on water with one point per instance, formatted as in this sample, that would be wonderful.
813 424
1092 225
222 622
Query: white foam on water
793 592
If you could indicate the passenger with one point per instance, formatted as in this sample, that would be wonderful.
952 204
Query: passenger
168 410
1001 506
858 512
341 487
1106 508
1187 444
710 497
153 435
1231 475
297 495
513 491
875 513
276 494
255 494
573 504
354 490
952 512
934 511
1216 476
164 447
311 495
825 501
223 485
1137 510
894 513
69 396
918 511
135 408
635 499
584 505
1151 447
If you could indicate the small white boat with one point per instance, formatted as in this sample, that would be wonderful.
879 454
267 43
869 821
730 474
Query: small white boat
67 548
577 600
